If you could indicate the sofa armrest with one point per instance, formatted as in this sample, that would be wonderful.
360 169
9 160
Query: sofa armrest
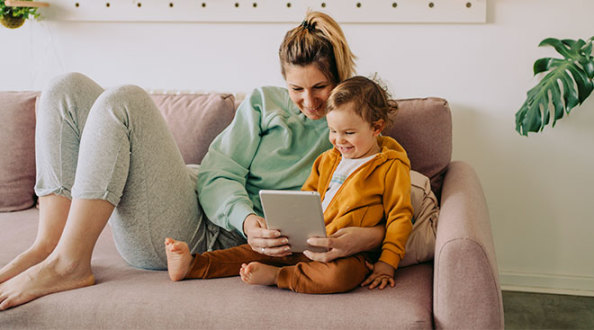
466 291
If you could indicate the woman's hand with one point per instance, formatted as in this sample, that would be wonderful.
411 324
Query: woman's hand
263 240
382 274
346 242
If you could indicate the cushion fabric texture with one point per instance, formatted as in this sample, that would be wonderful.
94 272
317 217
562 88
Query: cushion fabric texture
17 142
423 126
195 120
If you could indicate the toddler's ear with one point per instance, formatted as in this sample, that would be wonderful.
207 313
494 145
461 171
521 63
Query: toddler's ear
378 127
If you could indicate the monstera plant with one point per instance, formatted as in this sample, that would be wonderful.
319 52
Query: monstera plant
566 84
14 17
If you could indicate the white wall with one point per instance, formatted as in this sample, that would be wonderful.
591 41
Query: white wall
538 188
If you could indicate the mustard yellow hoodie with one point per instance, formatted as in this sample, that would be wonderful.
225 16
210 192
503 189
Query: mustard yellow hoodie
378 190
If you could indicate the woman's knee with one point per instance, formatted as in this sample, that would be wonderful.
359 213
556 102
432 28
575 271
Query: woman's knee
125 93
68 82
68 92
130 98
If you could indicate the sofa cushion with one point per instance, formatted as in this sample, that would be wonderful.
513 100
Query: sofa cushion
195 120
420 246
17 142
424 128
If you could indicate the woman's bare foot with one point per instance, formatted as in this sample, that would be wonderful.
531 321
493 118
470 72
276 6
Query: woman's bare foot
259 274
179 259
49 276
23 261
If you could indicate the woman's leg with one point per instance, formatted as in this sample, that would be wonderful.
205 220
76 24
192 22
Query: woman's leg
127 157
69 265
65 106
53 210
63 110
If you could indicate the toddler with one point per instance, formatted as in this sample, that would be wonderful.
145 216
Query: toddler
363 181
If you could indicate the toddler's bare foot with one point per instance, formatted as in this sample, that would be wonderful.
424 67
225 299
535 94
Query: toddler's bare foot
49 276
22 262
259 274
179 259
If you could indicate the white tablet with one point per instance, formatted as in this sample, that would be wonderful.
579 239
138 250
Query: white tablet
297 214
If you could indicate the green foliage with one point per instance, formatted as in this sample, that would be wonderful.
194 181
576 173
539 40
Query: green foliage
24 12
567 84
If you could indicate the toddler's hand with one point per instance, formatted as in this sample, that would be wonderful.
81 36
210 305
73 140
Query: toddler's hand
382 274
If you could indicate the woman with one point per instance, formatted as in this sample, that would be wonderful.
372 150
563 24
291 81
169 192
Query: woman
108 155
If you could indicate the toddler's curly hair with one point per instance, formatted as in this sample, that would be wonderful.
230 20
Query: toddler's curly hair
369 98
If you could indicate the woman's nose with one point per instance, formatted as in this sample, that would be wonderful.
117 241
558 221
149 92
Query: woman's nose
308 99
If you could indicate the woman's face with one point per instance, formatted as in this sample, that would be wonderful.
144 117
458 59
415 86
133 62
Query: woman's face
309 89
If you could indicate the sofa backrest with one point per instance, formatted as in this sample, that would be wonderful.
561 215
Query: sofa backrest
195 120
422 126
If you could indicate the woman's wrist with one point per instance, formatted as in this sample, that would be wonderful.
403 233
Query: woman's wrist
375 237
248 222
367 239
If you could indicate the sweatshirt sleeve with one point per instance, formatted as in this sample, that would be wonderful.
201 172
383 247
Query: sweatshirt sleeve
224 170
399 211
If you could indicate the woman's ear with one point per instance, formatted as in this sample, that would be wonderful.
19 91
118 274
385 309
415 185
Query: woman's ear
378 126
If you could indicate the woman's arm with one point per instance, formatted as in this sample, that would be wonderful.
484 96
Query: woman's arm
347 242
222 180
224 169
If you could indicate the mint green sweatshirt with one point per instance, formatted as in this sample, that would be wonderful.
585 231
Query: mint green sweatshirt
269 144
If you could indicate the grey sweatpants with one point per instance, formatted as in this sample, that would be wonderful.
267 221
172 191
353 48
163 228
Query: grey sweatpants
115 145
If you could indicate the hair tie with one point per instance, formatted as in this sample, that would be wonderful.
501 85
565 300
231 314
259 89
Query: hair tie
308 26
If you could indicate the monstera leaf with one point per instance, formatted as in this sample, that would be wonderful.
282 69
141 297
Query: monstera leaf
567 84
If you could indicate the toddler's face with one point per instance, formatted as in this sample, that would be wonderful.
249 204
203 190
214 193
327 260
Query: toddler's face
351 134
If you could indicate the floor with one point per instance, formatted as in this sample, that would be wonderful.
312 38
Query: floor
547 311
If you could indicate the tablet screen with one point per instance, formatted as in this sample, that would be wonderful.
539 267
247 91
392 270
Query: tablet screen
297 214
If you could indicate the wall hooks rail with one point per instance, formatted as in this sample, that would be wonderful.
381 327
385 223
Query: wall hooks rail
273 11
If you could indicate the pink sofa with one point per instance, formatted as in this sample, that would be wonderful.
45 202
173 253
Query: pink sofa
459 290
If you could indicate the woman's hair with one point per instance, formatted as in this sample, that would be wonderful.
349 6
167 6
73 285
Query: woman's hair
318 40
369 99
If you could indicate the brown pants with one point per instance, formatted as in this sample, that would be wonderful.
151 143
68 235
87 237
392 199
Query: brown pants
298 273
